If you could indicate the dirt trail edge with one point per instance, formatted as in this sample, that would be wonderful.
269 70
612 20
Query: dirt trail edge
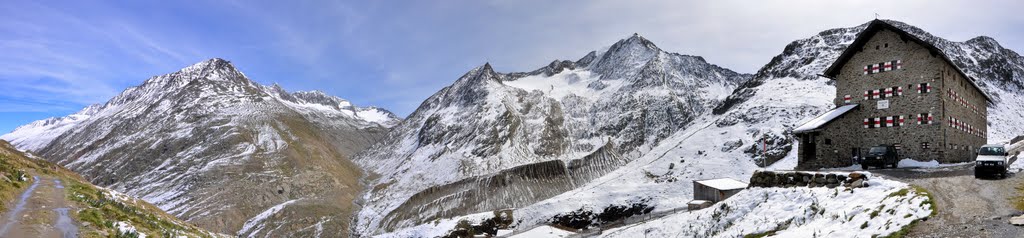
41 211
966 206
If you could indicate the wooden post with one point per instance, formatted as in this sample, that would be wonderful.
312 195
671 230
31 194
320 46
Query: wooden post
764 157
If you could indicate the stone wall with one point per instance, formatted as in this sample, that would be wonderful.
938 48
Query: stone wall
766 179
961 146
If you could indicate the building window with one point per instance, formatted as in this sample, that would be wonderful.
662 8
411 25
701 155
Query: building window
924 88
886 45
925 145
828 141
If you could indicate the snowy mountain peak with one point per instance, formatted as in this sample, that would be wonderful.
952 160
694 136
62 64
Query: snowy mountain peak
192 141
591 115
637 40
624 58
984 41
479 74
209 66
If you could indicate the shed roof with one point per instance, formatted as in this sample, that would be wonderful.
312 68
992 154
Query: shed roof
723 184
818 122
877 25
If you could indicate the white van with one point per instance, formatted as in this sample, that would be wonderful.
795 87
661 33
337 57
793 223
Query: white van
992 159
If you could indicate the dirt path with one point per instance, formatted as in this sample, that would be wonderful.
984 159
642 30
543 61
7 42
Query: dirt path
967 207
40 211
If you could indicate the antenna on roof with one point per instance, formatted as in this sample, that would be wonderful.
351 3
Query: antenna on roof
876 16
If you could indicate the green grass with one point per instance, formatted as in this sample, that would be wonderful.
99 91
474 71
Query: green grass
93 205
930 201
903 231
1018 201
900 193
104 211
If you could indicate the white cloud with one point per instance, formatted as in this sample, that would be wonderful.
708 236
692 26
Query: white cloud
397 54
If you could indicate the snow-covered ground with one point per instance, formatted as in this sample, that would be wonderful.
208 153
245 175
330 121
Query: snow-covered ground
662 177
909 163
884 207
127 230
255 223
880 209
544 231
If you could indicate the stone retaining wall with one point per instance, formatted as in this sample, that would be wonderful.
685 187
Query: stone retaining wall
766 179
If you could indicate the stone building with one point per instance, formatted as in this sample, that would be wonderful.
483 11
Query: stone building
894 88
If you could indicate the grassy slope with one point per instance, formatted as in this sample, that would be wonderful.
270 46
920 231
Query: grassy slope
99 207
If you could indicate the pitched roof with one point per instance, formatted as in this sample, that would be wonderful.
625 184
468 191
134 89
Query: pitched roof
723 184
818 122
873 27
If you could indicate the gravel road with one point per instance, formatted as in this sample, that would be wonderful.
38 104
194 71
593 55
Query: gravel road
967 207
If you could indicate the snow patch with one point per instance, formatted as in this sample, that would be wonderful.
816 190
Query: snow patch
126 228
881 209
544 231
255 223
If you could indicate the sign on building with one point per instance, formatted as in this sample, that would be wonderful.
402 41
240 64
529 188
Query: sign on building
883 104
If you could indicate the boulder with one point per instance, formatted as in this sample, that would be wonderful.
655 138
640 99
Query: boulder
819 178
1017 220
856 176
860 183
831 181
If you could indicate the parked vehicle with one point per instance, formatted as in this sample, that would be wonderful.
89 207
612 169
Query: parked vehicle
881 156
992 160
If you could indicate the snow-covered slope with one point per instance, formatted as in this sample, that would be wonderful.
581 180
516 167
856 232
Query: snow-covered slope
212 147
879 210
728 140
495 140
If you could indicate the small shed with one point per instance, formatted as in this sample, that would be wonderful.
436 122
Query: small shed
716 190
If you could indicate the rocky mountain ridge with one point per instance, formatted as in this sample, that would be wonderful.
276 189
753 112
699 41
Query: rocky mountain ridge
489 134
726 140
212 147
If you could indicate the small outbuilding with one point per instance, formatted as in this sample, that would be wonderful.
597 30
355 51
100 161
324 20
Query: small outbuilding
716 190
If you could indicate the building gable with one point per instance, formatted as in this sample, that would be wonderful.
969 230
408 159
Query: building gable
873 28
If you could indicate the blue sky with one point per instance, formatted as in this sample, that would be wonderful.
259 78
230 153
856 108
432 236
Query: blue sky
59 56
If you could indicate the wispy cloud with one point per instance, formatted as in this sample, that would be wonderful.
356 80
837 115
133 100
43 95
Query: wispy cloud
59 55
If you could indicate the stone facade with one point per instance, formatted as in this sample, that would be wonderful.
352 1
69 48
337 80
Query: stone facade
951 99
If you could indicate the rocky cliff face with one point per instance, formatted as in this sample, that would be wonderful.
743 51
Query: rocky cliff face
212 147
485 142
